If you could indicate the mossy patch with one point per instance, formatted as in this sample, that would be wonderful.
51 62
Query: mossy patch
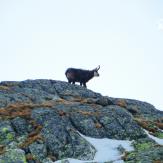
10 136
143 146
13 155
145 151
5 129
159 135
6 134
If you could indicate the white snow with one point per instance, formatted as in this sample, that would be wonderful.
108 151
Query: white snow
106 150
157 140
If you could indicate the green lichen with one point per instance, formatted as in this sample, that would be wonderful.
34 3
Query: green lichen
5 129
24 160
132 155
145 151
10 136
6 135
159 135
14 155
1 161
143 146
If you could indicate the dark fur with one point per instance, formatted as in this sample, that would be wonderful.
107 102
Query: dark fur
78 75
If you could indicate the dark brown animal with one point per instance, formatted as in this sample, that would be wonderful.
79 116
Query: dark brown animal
82 76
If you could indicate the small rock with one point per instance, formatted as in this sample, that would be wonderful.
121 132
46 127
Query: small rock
7 133
104 101
13 156
39 151
20 125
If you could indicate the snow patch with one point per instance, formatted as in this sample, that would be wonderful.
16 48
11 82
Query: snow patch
157 140
106 150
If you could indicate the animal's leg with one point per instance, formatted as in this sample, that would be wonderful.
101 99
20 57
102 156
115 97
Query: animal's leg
73 82
81 83
84 84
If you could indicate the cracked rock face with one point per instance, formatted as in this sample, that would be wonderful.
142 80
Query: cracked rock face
44 119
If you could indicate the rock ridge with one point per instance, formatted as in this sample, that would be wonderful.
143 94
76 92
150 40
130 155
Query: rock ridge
41 120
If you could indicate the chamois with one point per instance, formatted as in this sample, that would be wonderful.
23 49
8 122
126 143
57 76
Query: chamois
79 75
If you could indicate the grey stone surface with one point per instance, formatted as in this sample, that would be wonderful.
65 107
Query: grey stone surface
13 156
58 113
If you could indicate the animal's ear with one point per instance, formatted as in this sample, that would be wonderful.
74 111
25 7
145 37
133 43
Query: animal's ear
97 68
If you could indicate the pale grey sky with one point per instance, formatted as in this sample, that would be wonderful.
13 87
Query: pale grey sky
42 38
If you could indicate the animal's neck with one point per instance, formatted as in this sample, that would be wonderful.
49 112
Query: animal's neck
91 75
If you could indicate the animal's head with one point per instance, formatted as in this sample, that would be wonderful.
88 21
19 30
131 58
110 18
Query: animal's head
96 71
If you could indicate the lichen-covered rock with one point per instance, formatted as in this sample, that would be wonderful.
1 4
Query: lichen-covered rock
60 137
36 91
119 124
68 91
83 150
146 151
139 108
7 133
111 121
45 118
42 115
10 97
85 119
38 150
104 101
20 125
13 156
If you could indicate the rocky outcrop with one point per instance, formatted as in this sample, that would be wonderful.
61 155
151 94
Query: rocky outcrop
42 120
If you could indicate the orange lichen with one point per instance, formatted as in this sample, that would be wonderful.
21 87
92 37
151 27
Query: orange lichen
30 157
148 125
124 156
33 136
62 101
4 88
121 103
85 112
159 125
53 158
2 149
98 125
157 161
62 113
21 109
11 84
36 131
30 140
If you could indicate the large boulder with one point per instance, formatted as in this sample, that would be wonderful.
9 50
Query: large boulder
139 108
111 121
61 138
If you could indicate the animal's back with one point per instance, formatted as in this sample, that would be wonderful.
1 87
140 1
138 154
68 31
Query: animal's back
74 74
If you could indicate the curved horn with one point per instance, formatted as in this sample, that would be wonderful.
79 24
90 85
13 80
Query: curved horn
98 68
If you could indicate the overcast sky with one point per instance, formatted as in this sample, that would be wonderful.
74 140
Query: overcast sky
42 38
